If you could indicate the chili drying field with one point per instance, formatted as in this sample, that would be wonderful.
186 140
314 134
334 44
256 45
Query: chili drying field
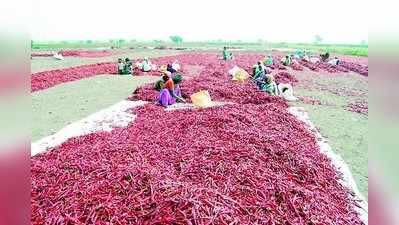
253 159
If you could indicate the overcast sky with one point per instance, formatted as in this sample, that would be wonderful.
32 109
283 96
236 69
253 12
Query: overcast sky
338 21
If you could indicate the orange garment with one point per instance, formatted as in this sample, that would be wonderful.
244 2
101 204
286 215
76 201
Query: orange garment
170 85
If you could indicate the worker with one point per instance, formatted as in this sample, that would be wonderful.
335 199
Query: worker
176 65
299 54
335 61
270 86
127 67
286 60
324 57
260 75
268 60
177 79
146 65
258 70
286 91
170 68
168 94
226 54
121 65
306 58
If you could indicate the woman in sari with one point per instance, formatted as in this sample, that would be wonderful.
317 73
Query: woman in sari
270 86
169 93
146 65
259 70
227 55
170 68
286 60
268 60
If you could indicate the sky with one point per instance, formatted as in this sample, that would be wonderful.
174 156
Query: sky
338 21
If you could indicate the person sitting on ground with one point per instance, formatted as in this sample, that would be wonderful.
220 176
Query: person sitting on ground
121 65
258 70
163 69
58 55
177 79
299 54
286 91
324 57
335 61
170 68
176 65
226 54
268 60
286 60
260 75
270 85
127 68
159 84
306 58
146 65
168 94
294 60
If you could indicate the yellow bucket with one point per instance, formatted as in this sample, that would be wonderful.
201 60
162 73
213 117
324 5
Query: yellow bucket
201 99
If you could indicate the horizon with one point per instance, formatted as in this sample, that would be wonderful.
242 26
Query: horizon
197 41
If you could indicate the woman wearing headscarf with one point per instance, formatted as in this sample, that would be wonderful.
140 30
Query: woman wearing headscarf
324 57
335 61
169 92
170 68
270 86
259 70
127 69
226 54
268 60
286 60
121 66
146 65
176 65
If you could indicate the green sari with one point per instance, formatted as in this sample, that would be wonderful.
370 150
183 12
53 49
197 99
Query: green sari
226 55
268 61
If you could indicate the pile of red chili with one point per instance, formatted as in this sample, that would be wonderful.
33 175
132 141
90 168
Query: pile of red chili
247 163
237 164
359 106
47 79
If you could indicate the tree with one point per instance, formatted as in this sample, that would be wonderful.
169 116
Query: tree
121 41
155 41
318 39
176 39
89 42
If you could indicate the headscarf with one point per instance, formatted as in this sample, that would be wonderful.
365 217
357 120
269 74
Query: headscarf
177 78
269 79
163 69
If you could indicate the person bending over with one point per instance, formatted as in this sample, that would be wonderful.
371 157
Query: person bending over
169 94
227 55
